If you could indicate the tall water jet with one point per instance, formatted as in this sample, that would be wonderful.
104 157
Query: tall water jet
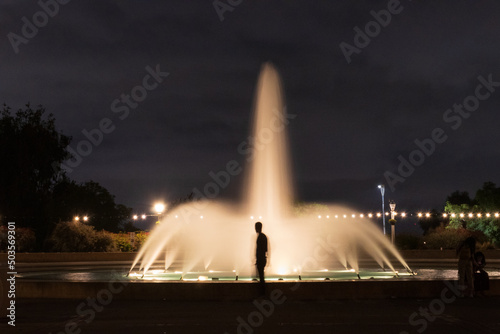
269 183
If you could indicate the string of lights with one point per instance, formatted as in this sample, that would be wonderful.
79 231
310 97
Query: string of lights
378 215
421 214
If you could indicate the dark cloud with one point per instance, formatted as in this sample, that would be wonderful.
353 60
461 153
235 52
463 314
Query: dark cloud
353 120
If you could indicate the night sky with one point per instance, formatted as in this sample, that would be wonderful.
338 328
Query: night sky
356 116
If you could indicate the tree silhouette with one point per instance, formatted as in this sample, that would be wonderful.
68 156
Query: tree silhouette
30 146
92 200
34 190
459 198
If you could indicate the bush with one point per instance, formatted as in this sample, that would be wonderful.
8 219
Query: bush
25 239
122 242
140 239
78 237
104 242
408 241
450 238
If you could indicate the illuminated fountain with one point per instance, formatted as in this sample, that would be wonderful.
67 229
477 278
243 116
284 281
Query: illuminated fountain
211 238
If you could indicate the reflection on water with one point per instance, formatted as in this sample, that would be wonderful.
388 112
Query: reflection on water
161 275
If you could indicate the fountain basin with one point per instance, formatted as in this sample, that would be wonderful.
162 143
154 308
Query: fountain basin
241 290
85 275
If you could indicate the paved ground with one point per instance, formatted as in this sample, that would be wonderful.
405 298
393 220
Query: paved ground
470 315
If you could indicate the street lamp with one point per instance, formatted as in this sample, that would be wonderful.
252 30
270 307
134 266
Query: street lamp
382 191
392 205
159 208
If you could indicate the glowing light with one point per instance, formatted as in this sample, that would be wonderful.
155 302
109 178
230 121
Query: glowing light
328 217
251 217
362 216
159 208
178 272
453 215
445 215
143 216
471 215
378 214
282 271
403 214
234 271
202 278
352 270
488 215
387 213
345 216
319 217
201 217
353 216
260 217
427 215
77 218
336 216
479 215
497 214
176 216
85 218
135 217
210 271
370 215
420 214
462 215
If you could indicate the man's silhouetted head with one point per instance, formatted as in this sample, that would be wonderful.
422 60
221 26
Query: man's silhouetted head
258 227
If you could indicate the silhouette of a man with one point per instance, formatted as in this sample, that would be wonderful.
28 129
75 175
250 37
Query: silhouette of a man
261 255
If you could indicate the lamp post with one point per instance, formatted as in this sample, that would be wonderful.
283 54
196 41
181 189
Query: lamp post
159 208
382 192
392 205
